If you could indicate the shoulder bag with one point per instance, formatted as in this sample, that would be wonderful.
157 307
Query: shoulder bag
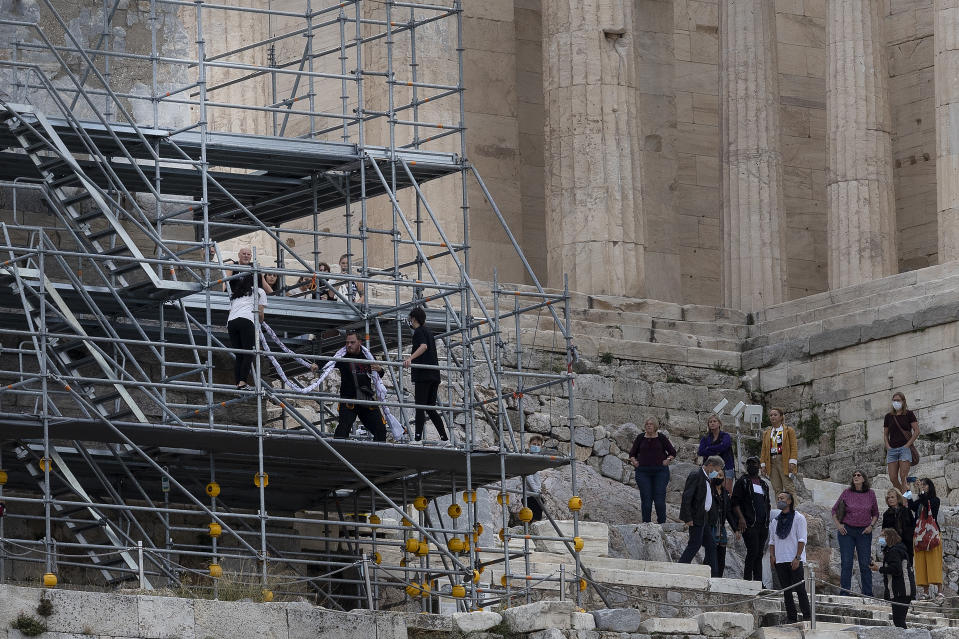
927 535
841 510
907 435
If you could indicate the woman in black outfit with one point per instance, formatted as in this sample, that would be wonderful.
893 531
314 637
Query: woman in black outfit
426 381
897 575
927 563
899 518
719 514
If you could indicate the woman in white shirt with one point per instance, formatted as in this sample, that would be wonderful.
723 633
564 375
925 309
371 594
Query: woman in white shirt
241 324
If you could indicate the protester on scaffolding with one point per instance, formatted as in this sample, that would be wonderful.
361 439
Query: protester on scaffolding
533 482
899 518
927 557
717 442
787 554
355 291
269 283
426 381
694 512
719 514
322 285
900 429
900 585
357 383
244 302
779 454
650 456
751 505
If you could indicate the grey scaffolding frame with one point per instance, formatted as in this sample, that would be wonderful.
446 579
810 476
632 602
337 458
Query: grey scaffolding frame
117 345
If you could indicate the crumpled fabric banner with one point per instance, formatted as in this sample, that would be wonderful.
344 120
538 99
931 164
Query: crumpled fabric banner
399 430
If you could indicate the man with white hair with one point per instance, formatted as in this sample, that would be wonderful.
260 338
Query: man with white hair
697 502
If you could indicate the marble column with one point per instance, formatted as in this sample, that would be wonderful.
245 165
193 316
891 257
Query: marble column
946 21
753 220
859 181
593 190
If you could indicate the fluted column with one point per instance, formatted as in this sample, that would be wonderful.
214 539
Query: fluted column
753 221
593 191
946 21
859 182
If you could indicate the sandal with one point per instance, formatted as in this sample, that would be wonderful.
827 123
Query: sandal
939 599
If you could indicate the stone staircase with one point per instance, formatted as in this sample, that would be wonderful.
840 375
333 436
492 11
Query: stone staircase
840 611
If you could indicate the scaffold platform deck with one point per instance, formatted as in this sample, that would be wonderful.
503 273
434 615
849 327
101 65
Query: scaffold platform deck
303 471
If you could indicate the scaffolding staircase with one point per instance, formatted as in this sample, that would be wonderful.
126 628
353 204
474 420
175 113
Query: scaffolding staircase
81 201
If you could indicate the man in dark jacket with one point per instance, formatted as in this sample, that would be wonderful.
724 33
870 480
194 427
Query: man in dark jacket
751 508
897 577
697 502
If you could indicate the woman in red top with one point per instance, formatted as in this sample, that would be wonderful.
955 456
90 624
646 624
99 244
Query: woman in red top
650 456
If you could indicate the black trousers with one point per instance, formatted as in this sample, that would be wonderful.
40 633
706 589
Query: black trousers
789 577
720 566
371 417
900 607
700 537
424 393
755 540
242 335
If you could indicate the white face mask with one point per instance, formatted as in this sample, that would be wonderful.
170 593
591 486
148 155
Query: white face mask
897 405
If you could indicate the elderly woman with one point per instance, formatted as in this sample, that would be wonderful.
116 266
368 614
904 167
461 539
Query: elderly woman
650 456
899 517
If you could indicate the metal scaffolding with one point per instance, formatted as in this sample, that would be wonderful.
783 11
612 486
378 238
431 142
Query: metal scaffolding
121 436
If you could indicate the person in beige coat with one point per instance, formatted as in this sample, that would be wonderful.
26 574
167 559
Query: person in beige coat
778 459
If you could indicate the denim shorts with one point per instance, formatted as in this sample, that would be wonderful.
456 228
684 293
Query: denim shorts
898 454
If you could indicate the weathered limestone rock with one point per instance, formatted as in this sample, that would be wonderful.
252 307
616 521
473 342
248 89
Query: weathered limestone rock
859 180
540 616
888 632
479 621
725 624
754 226
583 621
662 625
946 37
593 188
617 619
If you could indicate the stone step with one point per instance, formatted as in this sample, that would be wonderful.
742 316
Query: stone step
880 304
925 276
592 347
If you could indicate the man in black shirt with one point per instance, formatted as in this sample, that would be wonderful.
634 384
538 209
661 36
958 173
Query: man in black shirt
426 381
356 382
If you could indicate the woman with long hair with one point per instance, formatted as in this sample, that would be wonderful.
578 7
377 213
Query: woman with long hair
900 429
928 563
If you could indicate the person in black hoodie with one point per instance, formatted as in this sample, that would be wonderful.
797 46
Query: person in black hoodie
721 512
899 517
750 504
897 576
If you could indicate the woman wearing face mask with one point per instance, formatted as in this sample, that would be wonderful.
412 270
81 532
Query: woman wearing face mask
897 577
900 429
787 554
927 563
899 518
719 514
855 514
